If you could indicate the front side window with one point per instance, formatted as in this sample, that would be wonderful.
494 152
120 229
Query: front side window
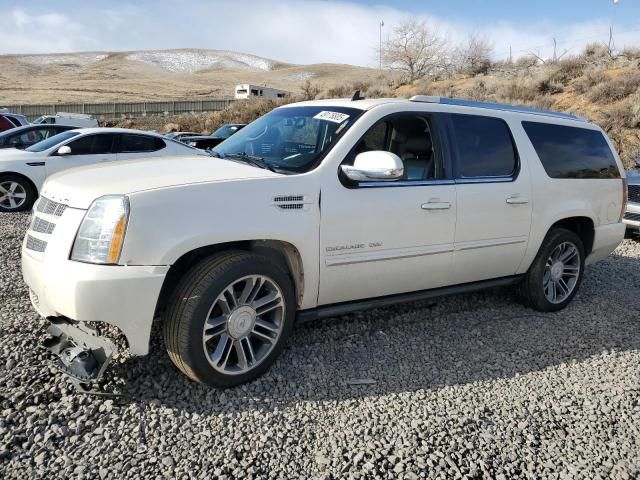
134 143
411 136
99 144
572 152
52 141
483 147
291 139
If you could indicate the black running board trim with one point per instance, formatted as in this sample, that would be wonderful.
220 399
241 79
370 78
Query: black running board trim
337 309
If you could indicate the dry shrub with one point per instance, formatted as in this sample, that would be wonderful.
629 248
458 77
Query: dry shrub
631 53
376 89
567 69
595 51
615 89
592 77
624 114
526 61
518 89
548 86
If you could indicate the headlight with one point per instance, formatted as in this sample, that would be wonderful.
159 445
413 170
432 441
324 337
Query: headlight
101 233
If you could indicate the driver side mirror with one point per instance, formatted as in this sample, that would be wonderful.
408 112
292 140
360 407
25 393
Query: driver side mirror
64 150
376 166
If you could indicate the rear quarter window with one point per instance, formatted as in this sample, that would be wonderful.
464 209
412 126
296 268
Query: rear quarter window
572 152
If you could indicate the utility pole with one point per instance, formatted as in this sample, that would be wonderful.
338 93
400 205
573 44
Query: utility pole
380 46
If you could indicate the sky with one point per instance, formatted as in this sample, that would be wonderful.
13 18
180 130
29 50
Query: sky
308 31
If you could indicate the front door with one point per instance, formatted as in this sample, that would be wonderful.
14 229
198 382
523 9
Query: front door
86 150
380 239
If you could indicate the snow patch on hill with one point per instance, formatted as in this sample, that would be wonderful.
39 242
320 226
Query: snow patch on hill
192 61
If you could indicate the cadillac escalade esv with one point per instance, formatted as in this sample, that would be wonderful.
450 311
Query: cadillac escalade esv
317 209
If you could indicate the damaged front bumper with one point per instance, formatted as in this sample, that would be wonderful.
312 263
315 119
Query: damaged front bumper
80 352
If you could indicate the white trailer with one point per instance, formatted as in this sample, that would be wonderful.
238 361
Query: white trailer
73 119
246 90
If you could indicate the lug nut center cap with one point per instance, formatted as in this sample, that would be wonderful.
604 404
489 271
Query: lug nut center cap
241 321
557 270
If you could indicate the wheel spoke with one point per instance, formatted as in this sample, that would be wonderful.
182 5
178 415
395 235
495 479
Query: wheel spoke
12 203
12 187
270 327
262 336
214 327
568 254
242 356
251 288
251 358
221 354
3 190
19 195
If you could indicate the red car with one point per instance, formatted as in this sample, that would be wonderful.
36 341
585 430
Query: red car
5 124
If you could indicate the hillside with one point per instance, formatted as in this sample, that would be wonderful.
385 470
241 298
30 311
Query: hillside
154 75
593 85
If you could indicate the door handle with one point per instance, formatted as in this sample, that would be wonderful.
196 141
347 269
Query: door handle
516 199
436 205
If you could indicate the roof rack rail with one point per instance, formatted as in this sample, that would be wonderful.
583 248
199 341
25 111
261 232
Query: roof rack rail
494 106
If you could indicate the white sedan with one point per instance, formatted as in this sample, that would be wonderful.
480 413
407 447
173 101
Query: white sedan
22 172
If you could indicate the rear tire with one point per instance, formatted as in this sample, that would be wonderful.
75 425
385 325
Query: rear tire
229 318
17 194
556 273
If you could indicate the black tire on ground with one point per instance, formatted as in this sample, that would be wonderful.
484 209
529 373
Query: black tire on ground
27 187
190 305
531 291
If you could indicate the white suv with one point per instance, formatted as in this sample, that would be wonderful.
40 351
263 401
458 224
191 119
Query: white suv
314 210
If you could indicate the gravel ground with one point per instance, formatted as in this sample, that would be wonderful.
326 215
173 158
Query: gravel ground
471 386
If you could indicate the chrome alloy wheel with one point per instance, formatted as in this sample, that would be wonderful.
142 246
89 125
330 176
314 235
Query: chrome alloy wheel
12 195
561 272
243 324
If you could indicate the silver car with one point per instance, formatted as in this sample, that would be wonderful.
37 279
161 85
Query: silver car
632 213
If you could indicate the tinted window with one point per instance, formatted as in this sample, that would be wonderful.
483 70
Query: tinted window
131 143
572 152
483 147
92 145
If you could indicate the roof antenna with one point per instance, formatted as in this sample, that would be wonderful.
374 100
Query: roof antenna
356 96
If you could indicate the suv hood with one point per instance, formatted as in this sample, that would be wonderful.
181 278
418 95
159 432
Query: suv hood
78 187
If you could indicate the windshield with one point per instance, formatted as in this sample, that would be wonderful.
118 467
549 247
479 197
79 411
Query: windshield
51 141
291 139
226 131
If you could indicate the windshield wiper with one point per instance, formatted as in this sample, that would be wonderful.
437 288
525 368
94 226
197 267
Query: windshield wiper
213 153
250 159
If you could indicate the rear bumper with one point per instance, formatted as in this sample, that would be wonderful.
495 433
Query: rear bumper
606 240
122 296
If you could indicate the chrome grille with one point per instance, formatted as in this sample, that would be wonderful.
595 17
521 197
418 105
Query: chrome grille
634 193
49 207
36 244
42 226
634 217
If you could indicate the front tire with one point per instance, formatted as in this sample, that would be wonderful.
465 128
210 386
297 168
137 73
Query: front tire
17 194
229 318
556 273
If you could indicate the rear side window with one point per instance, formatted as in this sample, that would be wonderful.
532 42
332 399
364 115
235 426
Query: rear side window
483 146
131 143
572 152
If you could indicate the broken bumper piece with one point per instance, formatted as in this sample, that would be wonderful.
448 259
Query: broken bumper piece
80 351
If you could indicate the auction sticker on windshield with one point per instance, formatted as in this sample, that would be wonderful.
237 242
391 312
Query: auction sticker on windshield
336 117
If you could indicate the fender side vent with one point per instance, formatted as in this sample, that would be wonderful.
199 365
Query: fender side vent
291 206
288 198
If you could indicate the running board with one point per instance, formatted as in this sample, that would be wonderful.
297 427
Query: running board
337 309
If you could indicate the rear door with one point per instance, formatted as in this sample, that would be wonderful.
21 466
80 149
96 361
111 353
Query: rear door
493 194
86 150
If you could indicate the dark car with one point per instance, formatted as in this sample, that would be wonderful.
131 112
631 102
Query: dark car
178 136
5 123
23 137
207 142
